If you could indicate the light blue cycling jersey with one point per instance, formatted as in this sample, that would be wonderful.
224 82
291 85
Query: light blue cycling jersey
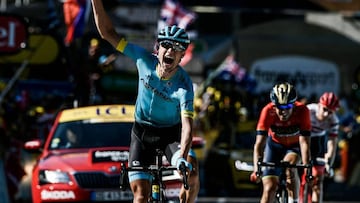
159 102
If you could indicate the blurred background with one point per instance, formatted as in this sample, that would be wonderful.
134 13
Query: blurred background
52 56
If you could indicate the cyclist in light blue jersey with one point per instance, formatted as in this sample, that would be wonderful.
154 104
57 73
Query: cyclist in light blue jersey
164 105
160 107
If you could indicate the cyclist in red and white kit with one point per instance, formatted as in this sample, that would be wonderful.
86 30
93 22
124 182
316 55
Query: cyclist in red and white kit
283 133
324 132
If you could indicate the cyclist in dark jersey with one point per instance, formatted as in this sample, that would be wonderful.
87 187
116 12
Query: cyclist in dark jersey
164 106
283 133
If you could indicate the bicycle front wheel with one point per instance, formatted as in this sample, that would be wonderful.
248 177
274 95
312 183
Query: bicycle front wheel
307 197
282 196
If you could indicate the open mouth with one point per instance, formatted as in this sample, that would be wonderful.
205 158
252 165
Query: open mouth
168 60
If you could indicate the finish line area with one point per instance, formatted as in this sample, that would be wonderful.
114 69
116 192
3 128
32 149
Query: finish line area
246 200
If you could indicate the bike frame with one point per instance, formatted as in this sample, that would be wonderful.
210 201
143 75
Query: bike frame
282 194
157 185
307 193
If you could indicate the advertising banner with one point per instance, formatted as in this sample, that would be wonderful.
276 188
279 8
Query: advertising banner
42 49
310 76
13 33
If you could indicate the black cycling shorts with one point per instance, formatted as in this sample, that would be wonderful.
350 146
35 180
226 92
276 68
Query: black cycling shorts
145 140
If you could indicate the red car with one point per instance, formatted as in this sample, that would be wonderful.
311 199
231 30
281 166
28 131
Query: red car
80 160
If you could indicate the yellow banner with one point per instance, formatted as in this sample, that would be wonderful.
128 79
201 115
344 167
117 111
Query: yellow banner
41 49
101 113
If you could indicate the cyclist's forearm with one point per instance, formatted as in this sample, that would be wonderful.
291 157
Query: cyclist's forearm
258 149
104 24
186 137
305 149
255 160
331 149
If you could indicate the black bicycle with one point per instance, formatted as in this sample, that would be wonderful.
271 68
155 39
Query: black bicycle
282 195
156 170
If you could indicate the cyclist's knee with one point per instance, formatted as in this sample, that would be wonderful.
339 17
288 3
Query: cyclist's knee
194 180
270 186
316 185
140 199
182 196
140 191
189 196
317 181
291 176
195 165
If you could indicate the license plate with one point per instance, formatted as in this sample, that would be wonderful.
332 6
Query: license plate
112 195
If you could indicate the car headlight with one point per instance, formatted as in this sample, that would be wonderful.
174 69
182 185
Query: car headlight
53 176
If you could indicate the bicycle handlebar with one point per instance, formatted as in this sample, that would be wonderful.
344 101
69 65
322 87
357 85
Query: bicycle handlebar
123 177
184 175
284 165
152 169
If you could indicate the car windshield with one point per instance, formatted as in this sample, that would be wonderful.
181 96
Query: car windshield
81 134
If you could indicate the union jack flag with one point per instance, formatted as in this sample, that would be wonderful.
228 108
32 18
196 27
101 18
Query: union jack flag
173 13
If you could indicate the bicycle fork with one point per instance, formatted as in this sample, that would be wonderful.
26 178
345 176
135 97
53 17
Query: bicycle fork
282 193
156 183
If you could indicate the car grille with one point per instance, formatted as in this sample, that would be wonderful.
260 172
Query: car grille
97 180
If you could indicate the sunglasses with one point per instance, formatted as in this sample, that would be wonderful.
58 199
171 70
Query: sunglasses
174 45
285 106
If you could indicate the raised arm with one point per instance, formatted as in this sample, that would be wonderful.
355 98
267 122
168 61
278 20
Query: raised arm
103 23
